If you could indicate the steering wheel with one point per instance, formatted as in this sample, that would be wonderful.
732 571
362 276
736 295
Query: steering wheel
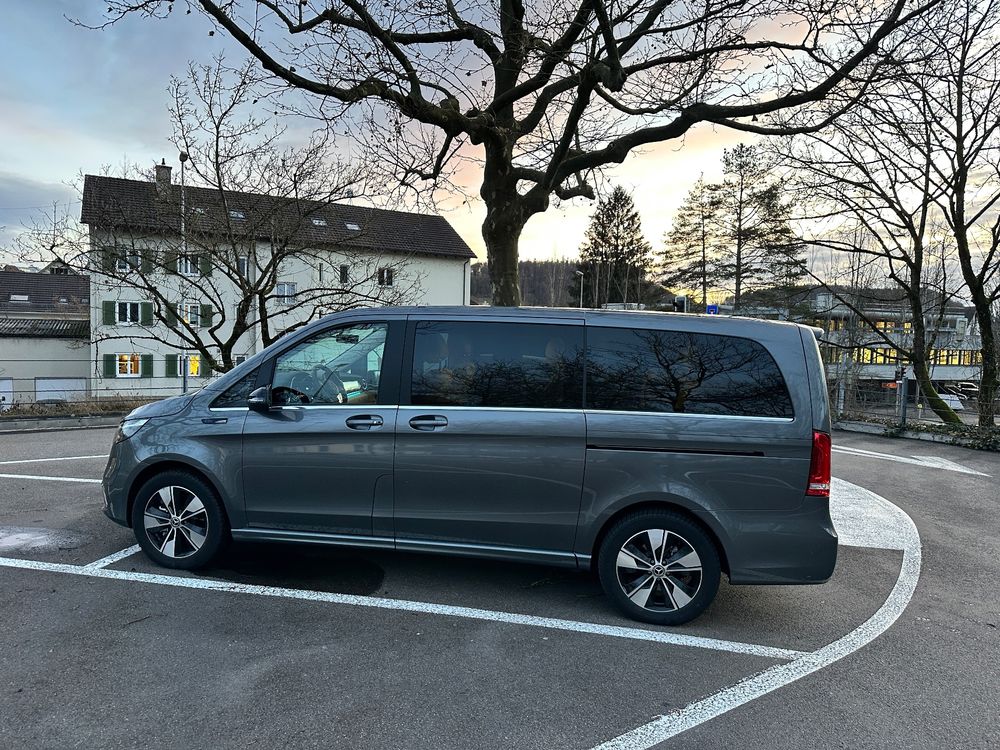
280 393
324 375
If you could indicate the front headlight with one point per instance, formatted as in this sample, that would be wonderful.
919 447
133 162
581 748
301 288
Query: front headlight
128 428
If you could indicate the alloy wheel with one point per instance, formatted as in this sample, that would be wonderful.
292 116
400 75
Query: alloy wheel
659 570
176 521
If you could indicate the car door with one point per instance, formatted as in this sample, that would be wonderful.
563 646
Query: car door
490 437
320 460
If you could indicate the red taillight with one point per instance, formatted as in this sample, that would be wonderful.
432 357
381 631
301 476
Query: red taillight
819 466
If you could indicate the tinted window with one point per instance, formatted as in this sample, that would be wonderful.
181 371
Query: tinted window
691 373
238 393
498 364
337 366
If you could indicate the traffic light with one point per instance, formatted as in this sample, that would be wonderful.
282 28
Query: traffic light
680 304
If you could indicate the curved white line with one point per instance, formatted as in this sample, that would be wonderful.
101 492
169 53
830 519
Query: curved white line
762 683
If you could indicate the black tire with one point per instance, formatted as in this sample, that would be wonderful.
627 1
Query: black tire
199 534
668 599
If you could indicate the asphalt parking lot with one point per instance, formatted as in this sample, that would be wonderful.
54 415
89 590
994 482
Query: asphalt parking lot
312 647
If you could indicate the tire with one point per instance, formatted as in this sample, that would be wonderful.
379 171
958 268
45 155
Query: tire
178 521
634 563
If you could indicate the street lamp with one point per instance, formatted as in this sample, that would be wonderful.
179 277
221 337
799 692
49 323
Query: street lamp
581 275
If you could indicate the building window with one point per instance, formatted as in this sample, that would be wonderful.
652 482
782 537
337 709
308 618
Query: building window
19 298
191 313
385 277
128 312
128 365
345 274
187 265
194 365
126 261
239 359
235 214
243 266
352 226
285 292
59 271
319 222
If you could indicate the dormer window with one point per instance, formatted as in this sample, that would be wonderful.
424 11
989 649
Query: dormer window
319 221
234 214
198 209
19 298
352 226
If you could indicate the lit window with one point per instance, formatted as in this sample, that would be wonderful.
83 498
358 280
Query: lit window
128 365
285 292
128 312
385 277
352 226
191 313
318 221
194 364
187 265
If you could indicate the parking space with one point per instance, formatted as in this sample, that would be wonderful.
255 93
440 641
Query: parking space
350 648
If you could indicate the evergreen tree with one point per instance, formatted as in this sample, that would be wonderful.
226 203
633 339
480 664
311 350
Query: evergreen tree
691 251
615 258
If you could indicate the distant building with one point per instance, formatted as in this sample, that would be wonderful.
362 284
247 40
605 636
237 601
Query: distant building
44 337
135 227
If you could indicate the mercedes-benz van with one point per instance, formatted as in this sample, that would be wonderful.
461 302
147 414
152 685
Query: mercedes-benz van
662 450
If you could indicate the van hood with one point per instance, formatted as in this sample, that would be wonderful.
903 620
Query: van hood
164 408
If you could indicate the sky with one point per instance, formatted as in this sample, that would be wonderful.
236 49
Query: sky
75 100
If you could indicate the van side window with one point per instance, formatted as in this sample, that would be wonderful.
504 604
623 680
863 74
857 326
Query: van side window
691 373
497 364
237 394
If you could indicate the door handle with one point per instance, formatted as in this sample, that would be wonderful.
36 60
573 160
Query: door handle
428 422
364 421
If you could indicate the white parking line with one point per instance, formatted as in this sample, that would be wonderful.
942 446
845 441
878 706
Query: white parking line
42 460
112 559
928 462
637 634
49 479
762 683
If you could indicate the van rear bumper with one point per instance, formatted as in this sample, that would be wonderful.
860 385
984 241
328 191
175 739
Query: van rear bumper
768 547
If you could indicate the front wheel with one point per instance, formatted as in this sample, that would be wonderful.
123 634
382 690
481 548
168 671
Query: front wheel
659 567
178 521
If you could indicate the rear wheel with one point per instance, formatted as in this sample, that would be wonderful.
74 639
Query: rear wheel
178 520
659 567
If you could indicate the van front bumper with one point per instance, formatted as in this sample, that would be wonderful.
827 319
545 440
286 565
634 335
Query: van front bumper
769 547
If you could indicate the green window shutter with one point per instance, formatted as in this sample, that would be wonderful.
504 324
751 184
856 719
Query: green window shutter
206 316
146 314
171 365
205 264
206 367
170 261
107 259
110 366
171 313
108 312
147 259
146 366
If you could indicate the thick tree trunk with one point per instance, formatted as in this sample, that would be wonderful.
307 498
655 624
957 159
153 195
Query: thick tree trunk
989 382
502 234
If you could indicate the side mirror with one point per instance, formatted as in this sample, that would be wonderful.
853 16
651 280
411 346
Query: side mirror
260 399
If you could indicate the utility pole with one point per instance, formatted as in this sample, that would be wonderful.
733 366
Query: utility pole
581 275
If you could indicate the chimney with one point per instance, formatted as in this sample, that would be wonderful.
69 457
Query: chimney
163 179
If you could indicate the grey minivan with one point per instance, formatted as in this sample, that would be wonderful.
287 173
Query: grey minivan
659 449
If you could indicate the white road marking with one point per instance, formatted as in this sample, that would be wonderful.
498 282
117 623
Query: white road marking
112 559
42 460
638 634
769 680
928 462
49 479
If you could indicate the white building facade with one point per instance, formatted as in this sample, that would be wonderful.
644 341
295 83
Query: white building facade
159 285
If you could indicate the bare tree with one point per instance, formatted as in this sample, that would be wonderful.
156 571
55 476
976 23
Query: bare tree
544 96
862 196
259 239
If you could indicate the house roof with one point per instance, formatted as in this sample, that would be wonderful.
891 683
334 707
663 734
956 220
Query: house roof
44 328
23 293
114 203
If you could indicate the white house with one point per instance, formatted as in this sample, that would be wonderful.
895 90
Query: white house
172 268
